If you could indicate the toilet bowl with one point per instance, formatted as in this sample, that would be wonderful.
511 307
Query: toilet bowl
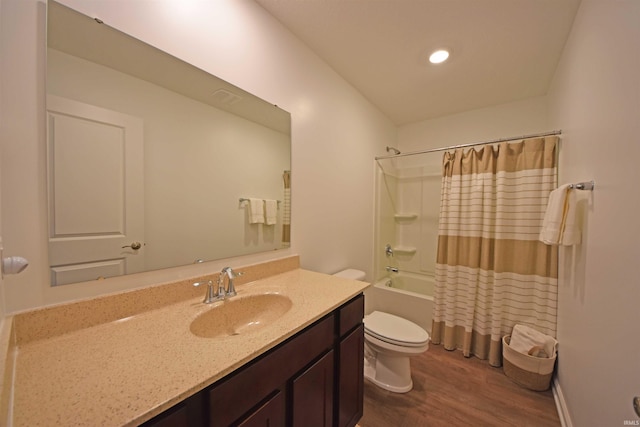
389 343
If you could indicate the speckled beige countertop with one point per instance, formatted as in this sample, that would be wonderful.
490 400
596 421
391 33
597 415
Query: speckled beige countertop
125 371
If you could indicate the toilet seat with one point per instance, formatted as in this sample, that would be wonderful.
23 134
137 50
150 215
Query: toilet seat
394 330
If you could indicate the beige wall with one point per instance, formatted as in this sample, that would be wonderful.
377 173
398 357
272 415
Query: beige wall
2 303
595 99
336 132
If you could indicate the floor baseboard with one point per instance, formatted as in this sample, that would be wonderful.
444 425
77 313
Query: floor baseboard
561 404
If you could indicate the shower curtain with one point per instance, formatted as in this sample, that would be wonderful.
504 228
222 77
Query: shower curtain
491 270
286 214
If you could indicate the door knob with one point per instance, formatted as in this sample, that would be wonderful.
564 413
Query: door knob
135 246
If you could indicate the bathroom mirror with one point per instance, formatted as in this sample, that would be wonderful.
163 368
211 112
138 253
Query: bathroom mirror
149 158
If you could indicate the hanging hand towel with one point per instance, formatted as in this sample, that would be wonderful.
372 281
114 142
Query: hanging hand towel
270 211
559 226
256 211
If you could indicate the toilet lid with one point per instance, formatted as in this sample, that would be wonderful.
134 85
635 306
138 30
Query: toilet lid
394 329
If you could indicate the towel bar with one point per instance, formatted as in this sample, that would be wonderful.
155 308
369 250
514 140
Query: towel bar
244 199
589 186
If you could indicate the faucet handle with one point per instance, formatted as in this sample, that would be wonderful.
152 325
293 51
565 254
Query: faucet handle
208 282
388 250
232 288
208 297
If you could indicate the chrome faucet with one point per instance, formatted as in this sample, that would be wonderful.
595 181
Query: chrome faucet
221 293
391 269
210 296
231 290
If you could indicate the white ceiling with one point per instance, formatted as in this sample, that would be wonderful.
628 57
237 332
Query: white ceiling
502 50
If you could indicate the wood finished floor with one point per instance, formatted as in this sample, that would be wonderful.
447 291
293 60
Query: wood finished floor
451 390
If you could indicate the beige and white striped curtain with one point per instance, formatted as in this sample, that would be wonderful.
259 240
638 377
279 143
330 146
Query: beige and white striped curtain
491 271
286 213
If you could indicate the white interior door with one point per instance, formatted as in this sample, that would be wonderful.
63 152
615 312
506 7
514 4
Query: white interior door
96 198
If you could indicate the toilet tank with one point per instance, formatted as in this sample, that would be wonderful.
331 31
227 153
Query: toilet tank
351 273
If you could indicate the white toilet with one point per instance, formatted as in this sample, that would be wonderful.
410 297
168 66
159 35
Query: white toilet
389 343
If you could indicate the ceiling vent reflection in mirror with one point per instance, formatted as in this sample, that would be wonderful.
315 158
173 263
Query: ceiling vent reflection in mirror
225 97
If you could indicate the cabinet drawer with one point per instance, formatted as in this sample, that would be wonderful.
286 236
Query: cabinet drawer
351 314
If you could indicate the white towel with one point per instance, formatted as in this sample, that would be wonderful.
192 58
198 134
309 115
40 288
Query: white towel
524 339
270 211
559 226
256 211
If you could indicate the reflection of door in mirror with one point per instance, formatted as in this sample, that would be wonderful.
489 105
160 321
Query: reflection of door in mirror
96 200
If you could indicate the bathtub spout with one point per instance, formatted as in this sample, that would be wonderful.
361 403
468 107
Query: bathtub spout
391 269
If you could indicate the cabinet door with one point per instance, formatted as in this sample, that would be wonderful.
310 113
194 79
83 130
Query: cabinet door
351 378
271 414
313 395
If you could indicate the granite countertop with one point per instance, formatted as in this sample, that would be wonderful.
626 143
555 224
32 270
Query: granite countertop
125 371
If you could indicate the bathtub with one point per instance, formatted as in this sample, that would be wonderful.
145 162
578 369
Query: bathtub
406 295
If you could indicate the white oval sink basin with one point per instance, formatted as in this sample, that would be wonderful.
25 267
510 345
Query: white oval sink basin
240 315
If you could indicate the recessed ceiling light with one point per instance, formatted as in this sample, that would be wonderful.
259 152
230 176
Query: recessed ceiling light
439 56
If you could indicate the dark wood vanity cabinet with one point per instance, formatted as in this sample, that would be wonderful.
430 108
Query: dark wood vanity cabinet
315 378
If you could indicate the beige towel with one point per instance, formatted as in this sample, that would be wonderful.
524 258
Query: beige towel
270 212
256 211
559 226
525 339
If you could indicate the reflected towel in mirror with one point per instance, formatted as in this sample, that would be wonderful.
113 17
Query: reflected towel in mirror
270 211
256 211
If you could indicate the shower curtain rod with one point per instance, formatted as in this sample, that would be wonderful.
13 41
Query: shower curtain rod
453 147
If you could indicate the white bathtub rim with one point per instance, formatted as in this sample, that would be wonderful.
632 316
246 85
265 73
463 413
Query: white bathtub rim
381 284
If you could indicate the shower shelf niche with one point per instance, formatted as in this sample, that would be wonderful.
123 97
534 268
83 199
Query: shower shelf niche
404 250
405 217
